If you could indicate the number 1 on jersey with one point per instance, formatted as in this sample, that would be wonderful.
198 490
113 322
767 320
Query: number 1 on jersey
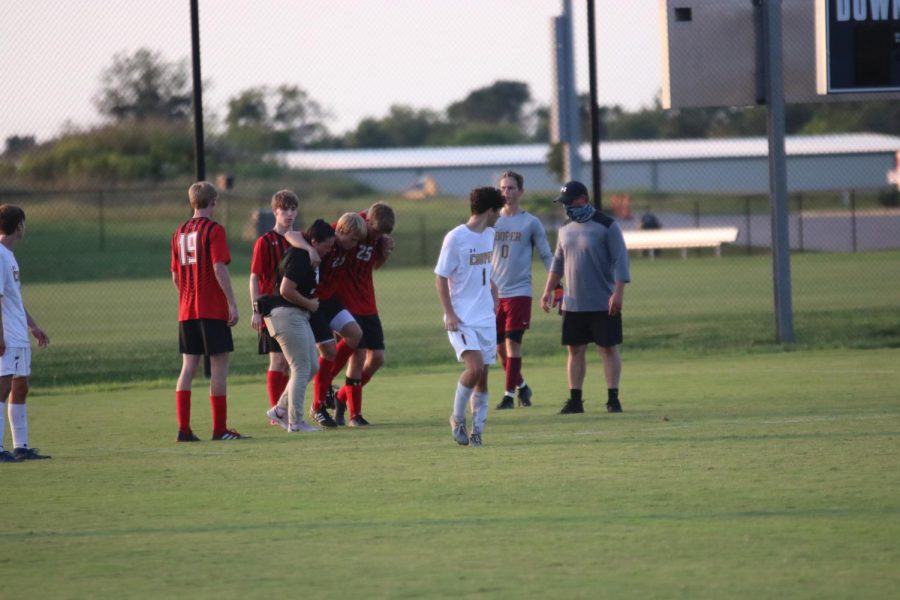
187 248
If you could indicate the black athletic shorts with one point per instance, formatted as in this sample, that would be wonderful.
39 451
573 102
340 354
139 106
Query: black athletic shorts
581 328
373 334
204 336
267 344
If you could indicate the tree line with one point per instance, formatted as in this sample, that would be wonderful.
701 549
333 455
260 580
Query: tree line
146 103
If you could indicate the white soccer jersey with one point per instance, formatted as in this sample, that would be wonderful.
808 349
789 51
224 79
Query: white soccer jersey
15 324
465 261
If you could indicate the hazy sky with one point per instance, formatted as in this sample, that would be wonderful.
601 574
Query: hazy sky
355 57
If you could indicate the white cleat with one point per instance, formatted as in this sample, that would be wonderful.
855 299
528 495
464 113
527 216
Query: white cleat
458 427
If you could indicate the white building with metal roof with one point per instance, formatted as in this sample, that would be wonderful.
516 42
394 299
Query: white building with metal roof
739 165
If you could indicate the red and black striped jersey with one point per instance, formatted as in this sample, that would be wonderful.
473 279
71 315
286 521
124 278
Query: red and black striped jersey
197 245
268 251
355 284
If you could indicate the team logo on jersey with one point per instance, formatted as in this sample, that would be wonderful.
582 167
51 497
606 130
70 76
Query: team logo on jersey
16 274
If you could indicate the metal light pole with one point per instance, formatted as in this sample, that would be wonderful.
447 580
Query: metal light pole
199 150
595 110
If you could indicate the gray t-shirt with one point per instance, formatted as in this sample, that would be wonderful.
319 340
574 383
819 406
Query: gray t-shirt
591 257
514 242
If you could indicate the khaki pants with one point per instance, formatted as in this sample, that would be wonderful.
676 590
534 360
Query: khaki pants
290 328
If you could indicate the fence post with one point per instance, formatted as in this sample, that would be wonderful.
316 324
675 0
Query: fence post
747 201
800 220
423 239
853 219
101 218
696 213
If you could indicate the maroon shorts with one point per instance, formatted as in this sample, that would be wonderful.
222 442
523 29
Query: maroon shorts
513 314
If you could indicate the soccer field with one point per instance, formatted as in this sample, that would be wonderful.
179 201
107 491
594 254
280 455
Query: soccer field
731 476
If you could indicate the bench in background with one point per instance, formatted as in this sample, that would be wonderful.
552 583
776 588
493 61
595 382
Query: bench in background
682 239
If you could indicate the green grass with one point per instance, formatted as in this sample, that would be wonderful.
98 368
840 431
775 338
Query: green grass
728 476
124 330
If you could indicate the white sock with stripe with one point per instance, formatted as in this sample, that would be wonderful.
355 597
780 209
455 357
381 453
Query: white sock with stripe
18 421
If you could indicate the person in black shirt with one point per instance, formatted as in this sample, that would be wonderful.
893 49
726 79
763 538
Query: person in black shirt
287 319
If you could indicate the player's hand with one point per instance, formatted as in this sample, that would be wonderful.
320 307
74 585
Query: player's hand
314 259
42 338
545 302
232 315
452 322
615 304
313 305
387 245
256 322
558 298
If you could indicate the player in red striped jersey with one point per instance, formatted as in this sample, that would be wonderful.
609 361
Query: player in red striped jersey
267 254
207 310
356 289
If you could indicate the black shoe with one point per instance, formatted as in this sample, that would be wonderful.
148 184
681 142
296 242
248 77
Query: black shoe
613 406
358 421
571 407
330 402
507 403
339 413
525 396
323 418
28 454
187 436
7 456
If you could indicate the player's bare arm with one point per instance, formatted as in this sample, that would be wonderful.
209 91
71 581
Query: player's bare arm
296 239
224 279
256 321
451 320
616 299
42 338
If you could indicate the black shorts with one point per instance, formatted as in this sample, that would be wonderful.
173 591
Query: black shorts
373 334
204 336
320 328
267 344
581 328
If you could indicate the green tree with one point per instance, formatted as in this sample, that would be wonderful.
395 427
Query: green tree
262 119
144 86
500 102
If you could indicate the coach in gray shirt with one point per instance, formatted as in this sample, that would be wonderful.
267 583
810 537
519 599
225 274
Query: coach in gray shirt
591 255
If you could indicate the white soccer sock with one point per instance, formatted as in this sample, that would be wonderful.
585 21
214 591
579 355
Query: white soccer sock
521 385
18 424
2 423
460 401
479 411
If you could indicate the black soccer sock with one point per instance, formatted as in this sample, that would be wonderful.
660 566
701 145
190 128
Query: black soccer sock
612 395
575 395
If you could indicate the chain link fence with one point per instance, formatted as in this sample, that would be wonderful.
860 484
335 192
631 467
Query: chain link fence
95 273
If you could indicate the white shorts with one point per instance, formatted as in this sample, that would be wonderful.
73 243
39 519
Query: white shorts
340 320
483 339
16 362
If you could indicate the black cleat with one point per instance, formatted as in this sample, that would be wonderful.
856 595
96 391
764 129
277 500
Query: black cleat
572 407
525 396
28 454
340 413
614 406
358 421
187 436
330 395
323 418
228 435
507 403
7 456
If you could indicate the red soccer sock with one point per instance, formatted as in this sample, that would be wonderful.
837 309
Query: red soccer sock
219 414
273 386
352 393
342 355
285 379
513 373
366 378
321 383
183 409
